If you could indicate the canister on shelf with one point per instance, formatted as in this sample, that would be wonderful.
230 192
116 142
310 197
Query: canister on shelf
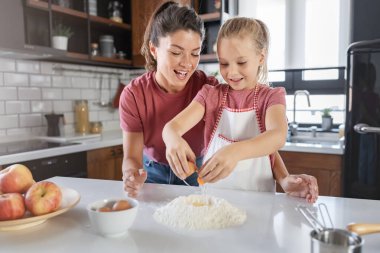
81 117
106 46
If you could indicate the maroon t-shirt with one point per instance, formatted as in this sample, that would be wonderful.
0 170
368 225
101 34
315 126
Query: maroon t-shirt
145 107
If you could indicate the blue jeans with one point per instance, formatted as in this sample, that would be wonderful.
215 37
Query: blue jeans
160 173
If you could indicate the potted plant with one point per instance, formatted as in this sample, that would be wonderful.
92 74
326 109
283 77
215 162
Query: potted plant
61 35
327 120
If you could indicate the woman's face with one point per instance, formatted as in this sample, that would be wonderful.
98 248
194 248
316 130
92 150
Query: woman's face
239 62
177 57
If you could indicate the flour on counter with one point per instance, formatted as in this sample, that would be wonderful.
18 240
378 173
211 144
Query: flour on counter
199 212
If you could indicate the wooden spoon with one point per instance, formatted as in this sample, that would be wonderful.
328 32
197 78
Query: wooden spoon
363 229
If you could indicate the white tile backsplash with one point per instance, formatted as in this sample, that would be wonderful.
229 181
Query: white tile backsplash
29 93
2 107
31 89
43 106
8 121
51 93
14 79
8 93
30 120
40 81
7 65
13 107
28 66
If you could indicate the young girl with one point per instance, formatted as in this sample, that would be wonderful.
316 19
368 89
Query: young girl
245 120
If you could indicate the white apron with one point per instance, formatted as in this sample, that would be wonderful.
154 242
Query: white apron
236 125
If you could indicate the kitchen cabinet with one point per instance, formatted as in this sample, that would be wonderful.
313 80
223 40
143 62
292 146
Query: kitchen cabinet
105 163
41 16
326 168
211 12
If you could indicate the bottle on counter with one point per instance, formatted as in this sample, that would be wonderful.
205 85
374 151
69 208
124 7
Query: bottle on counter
82 125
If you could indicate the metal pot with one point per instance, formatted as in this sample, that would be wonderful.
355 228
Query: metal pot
333 240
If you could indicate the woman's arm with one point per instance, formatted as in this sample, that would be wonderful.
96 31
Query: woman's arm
178 151
133 177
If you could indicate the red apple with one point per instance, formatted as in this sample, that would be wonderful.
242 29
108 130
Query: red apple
11 206
43 197
15 178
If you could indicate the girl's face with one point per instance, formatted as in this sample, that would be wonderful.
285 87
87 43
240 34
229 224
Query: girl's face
239 62
177 57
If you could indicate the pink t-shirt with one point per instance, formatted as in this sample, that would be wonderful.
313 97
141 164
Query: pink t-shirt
145 107
211 98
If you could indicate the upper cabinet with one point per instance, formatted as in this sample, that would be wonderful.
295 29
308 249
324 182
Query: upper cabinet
100 31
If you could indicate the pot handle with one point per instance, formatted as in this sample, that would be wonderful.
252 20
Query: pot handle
363 229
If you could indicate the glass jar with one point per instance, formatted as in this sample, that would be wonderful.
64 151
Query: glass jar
96 127
115 9
81 117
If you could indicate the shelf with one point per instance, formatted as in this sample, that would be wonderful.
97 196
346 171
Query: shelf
56 8
38 4
209 58
77 56
111 60
69 12
109 22
210 17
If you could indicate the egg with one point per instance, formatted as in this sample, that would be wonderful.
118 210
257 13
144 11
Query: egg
121 205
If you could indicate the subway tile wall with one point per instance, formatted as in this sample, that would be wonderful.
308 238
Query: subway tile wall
31 89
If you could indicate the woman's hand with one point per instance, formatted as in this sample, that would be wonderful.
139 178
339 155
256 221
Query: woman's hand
220 165
303 186
178 152
134 181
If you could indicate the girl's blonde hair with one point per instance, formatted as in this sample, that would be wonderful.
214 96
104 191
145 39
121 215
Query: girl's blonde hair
241 26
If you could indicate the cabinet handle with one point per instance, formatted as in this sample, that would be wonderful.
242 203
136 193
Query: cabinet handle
362 128
113 152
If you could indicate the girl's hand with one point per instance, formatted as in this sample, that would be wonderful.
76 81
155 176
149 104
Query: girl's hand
219 166
178 152
134 181
303 186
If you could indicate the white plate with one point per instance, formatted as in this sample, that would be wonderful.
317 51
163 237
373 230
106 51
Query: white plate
70 198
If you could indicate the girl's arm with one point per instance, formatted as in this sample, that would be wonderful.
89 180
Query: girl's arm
303 186
133 177
222 163
178 151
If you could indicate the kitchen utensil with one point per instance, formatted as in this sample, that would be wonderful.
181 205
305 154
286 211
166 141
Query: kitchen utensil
53 124
330 240
116 99
363 229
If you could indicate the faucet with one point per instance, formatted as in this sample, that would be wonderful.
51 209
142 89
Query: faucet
293 125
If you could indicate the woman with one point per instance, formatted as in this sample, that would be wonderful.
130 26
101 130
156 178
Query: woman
172 46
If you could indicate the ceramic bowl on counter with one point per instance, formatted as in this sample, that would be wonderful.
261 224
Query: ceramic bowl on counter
112 217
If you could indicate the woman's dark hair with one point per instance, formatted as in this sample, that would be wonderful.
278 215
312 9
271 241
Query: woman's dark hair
166 19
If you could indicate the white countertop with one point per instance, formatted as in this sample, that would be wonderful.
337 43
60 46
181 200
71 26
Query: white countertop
272 223
112 138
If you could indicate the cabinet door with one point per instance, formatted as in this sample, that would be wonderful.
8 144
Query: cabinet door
118 163
12 25
326 168
141 12
101 163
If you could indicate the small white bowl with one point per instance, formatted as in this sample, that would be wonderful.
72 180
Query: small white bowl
115 223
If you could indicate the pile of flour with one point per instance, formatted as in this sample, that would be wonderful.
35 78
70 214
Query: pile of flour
199 212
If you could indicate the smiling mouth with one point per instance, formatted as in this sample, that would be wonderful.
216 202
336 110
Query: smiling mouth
181 74
235 80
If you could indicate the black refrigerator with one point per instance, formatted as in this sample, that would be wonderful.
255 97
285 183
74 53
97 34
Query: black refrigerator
361 172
